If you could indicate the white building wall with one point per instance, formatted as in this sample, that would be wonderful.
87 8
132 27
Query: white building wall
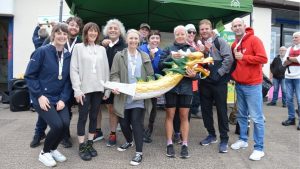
7 7
26 15
261 22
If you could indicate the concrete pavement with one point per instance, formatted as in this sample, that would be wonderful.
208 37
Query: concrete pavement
282 146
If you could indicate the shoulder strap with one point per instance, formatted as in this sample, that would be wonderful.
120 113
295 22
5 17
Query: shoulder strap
217 43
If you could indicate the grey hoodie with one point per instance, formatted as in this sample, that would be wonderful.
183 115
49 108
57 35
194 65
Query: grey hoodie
223 59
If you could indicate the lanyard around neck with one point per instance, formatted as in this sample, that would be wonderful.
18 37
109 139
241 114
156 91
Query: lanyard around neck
70 48
239 42
60 64
132 62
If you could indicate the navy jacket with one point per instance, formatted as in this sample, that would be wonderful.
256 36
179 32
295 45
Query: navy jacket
37 41
42 75
184 87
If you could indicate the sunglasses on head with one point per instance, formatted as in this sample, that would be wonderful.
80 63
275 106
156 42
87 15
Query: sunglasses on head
191 32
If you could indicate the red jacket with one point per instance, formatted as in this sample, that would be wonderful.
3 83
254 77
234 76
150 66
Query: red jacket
248 71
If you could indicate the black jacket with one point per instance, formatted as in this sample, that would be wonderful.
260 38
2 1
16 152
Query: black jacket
111 51
184 87
277 69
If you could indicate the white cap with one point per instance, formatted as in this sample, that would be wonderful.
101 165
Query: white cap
190 26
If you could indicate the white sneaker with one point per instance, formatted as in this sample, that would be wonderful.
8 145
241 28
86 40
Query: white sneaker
58 156
256 155
47 159
239 144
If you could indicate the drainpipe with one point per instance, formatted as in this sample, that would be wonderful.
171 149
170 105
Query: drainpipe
251 21
60 10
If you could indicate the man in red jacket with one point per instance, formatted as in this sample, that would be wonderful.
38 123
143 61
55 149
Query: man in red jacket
250 54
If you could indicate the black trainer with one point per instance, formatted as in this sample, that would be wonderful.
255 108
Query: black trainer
147 136
84 153
184 152
66 142
288 122
271 104
170 151
36 141
90 148
137 159
125 146
177 138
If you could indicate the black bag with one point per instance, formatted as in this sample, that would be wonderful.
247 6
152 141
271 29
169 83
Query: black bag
19 95
5 97
266 85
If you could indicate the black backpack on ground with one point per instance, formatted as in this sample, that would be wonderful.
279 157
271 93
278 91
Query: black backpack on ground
19 99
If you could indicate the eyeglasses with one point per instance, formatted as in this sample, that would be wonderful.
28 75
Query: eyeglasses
192 32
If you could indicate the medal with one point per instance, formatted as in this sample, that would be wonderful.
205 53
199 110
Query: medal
60 65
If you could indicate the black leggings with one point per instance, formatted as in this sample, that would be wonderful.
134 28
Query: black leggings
135 118
59 124
153 112
91 106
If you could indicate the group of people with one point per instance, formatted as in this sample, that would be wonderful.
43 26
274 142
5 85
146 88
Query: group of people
286 75
68 66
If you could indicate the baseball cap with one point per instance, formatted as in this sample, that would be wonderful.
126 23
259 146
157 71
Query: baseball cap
144 25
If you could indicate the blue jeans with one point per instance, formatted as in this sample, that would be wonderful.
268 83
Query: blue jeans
276 84
292 86
249 102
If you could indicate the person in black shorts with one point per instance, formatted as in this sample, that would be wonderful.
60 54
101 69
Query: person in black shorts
181 95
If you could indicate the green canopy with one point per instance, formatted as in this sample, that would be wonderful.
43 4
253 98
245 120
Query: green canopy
163 15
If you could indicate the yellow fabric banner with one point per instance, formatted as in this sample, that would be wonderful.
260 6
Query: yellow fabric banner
230 93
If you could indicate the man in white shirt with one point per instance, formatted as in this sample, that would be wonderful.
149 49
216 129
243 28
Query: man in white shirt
292 75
